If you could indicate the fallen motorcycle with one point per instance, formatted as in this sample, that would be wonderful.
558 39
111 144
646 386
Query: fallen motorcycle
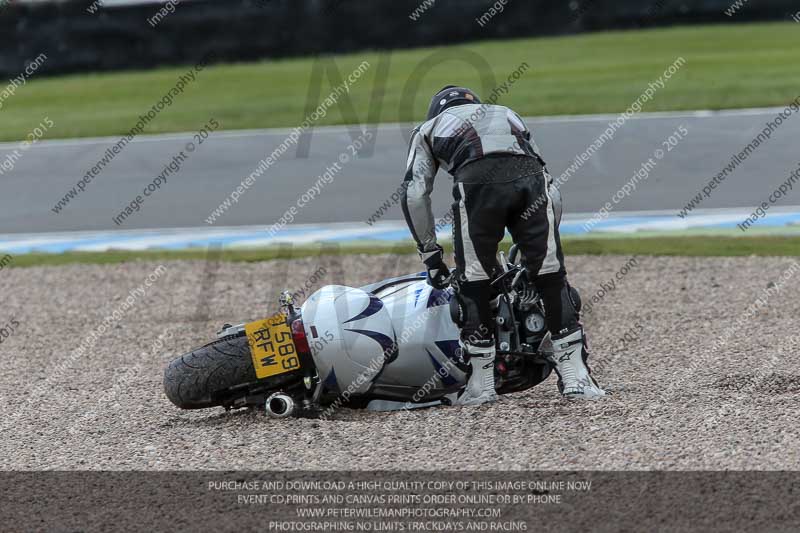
385 346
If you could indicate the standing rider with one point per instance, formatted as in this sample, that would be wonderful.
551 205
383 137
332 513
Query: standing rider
500 181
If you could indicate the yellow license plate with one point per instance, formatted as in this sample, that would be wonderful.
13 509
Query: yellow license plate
272 347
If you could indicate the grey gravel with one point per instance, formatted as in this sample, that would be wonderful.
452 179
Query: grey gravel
677 404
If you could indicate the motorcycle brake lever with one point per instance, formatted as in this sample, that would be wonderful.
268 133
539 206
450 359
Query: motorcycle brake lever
504 277
522 272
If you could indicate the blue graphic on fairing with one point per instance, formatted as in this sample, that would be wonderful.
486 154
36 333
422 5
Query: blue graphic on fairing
416 295
438 297
388 345
443 373
449 349
330 381
375 305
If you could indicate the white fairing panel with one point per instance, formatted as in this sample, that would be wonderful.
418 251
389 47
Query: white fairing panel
427 337
351 336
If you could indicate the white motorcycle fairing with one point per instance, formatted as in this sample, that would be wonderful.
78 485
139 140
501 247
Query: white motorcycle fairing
394 341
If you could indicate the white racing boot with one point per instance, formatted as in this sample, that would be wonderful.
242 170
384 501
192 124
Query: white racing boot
480 387
574 379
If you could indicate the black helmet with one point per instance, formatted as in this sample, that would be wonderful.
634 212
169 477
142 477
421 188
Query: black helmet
451 96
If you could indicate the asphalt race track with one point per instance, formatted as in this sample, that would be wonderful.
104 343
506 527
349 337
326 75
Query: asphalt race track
49 169
677 403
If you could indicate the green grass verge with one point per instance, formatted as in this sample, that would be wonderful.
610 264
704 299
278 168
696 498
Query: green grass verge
728 66
699 246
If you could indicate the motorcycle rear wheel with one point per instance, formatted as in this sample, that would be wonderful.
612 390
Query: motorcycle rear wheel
210 376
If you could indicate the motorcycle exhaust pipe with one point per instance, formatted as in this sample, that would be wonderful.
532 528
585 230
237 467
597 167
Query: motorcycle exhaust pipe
279 405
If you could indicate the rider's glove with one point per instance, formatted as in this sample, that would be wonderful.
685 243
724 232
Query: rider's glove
523 286
438 272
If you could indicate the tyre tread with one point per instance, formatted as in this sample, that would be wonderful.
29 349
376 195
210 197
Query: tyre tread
198 379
